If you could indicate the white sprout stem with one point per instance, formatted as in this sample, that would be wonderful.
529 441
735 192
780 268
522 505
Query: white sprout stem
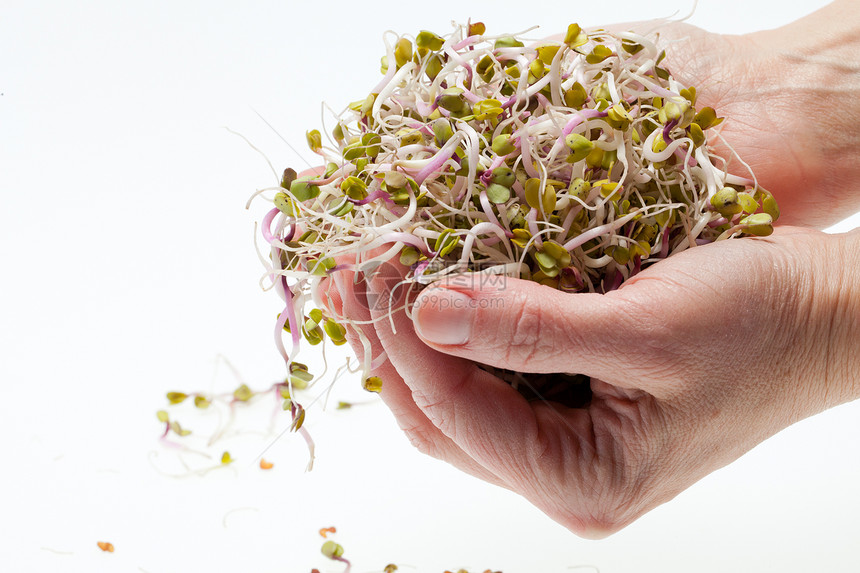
611 227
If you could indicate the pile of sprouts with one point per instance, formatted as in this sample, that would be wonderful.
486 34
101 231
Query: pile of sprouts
573 163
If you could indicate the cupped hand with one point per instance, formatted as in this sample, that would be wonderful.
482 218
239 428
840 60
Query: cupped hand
790 99
692 363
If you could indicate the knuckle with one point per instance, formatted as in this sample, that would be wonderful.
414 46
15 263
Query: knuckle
525 341
422 440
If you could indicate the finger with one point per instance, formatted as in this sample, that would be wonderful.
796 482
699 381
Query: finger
469 405
426 437
318 170
523 326
535 447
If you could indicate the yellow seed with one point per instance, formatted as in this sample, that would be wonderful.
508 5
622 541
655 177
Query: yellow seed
372 384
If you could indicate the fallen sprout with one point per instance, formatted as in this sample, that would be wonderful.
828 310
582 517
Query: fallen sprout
573 163
224 406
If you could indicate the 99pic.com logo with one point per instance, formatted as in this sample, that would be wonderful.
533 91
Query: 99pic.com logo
380 286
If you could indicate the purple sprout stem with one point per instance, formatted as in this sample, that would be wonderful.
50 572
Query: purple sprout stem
579 117
408 239
497 162
343 560
664 246
266 225
378 194
465 42
667 137
288 314
488 208
526 152
637 265
438 160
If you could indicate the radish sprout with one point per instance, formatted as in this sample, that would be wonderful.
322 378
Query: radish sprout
572 163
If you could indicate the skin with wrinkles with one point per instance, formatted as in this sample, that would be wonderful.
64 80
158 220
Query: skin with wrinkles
692 362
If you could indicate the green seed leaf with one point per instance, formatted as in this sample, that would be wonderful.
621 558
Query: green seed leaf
547 53
659 144
452 100
442 130
557 252
533 192
334 330
618 117
314 139
178 430
498 194
508 42
696 134
176 397
354 188
331 549
434 66
725 202
409 256
689 94
284 204
502 144
487 109
575 37
303 191
747 203
429 40
521 237
707 118
760 224
545 260
243 393
579 188
504 176
485 68
549 200
371 142
403 52
631 47
598 54
299 419
769 206
576 96
579 145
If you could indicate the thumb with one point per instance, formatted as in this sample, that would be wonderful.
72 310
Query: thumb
527 327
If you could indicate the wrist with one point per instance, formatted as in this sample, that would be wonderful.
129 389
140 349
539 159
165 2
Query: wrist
842 373
809 74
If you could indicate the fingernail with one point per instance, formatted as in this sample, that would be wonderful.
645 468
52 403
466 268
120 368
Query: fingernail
444 316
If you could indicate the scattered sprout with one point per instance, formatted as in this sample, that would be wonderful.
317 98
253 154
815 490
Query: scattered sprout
176 397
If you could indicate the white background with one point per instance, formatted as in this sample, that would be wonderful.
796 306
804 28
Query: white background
128 267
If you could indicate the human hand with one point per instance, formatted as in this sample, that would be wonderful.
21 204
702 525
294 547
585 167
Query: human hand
692 363
790 96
